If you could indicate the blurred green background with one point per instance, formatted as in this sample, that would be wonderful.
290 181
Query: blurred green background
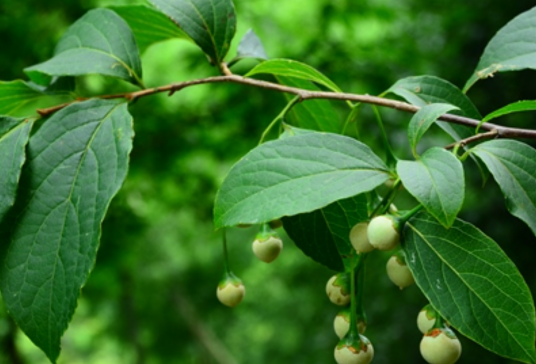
151 297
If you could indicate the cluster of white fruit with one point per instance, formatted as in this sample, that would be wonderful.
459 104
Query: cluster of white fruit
266 246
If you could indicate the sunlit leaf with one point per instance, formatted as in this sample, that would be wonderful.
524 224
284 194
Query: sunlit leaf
519 106
289 176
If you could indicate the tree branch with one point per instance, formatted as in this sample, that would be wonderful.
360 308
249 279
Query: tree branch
462 143
502 131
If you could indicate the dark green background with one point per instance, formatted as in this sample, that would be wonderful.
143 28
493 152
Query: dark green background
151 297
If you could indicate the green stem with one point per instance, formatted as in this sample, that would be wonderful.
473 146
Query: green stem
351 118
402 220
383 206
281 115
390 158
225 254
356 303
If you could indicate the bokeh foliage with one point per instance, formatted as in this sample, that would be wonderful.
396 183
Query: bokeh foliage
150 298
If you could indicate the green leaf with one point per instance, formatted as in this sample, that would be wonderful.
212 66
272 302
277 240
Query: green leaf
77 161
424 90
513 48
423 120
511 108
436 180
290 131
148 25
14 95
324 234
210 23
98 43
293 69
313 114
291 176
473 284
14 135
251 47
513 165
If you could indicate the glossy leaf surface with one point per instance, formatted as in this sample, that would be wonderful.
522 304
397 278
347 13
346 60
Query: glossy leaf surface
290 176
473 284
77 161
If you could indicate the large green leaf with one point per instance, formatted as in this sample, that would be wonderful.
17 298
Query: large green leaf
423 120
293 69
77 161
313 114
98 43
513 165
210 23
436 180
14 134
324 234
290 176
513 48
473 284
148 25
526 105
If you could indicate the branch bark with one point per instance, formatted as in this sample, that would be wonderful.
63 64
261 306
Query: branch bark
502 131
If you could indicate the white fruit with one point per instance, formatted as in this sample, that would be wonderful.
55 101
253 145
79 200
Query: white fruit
383 233
355 355
267 249
231 294
426 319
359 238
440 346
338 292
399 272
341 325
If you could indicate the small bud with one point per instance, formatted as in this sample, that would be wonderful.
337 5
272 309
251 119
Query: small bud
440 346
358 352
398 272
383 233
359 238
338 289
231 290
267 245
341 324
426 319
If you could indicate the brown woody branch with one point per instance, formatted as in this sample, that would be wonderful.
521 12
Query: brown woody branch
498 130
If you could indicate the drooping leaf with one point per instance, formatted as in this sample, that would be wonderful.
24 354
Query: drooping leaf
251 47
323 234
513 48
313 114
290 176
436 180
98 43
148 25
473 284
77 161
424 90
293 69
526 105
14 135
210 23
423 120
513 165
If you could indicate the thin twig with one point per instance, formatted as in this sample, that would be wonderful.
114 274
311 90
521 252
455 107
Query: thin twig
502 131
475 138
